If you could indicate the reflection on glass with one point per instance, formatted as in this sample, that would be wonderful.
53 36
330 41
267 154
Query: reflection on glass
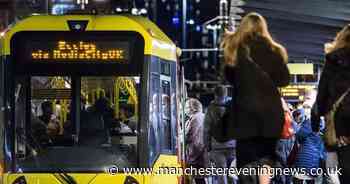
166 118
50 139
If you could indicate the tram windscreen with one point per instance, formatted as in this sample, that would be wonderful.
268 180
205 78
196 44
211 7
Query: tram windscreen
76 124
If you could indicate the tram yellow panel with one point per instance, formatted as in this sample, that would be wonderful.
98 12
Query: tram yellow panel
156 42
48 178
115 179
79 178
164 161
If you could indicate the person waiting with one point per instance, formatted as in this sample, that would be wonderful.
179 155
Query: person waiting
255 65
53 126
96 125
222 153
196 153
312 152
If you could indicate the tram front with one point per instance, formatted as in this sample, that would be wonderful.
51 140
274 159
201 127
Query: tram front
78 98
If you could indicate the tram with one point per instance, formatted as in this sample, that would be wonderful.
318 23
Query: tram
81 94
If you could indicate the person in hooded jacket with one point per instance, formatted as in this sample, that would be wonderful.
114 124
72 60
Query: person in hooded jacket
221 153
334 82
256 66
311 153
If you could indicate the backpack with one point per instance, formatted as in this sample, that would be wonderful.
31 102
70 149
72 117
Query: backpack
218 127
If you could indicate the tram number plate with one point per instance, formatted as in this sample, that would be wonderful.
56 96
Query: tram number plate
80 51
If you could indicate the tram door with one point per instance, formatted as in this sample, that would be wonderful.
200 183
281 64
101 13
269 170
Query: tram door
163 118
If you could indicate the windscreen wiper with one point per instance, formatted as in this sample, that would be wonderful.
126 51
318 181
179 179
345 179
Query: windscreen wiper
65 177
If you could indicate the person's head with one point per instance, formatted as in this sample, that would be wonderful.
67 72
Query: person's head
342 40
47 108
102 104
193 106
253 24
220 92
307 108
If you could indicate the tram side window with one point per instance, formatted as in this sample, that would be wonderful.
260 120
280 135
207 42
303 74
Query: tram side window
154 131
166 115
174 118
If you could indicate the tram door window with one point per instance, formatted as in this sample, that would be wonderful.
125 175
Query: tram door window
166 115
166 105
161 131
154 131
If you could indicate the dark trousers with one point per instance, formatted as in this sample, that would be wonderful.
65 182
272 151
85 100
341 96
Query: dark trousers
298 181
344 164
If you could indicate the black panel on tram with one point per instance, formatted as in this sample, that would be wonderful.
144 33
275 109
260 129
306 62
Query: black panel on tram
81 53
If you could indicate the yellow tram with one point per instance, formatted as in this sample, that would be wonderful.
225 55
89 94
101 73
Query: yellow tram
85 95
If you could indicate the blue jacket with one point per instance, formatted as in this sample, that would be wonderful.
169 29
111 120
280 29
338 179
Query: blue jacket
311 151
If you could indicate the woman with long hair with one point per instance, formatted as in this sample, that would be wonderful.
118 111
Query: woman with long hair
255 65
334 82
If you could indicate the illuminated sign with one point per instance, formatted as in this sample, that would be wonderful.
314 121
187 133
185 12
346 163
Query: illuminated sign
80 51
301 68
297 92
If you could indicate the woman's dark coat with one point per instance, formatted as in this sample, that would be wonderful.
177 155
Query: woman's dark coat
257 107
335 80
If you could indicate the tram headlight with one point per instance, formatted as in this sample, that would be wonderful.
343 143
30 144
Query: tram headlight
20 180
130 180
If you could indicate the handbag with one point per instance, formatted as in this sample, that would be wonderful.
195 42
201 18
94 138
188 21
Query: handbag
287 131
330 134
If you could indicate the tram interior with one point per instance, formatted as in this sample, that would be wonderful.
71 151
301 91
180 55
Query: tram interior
99 130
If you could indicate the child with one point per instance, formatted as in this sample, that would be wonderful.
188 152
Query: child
311 152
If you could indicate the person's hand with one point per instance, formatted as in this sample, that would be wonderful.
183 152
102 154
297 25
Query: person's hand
343 141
